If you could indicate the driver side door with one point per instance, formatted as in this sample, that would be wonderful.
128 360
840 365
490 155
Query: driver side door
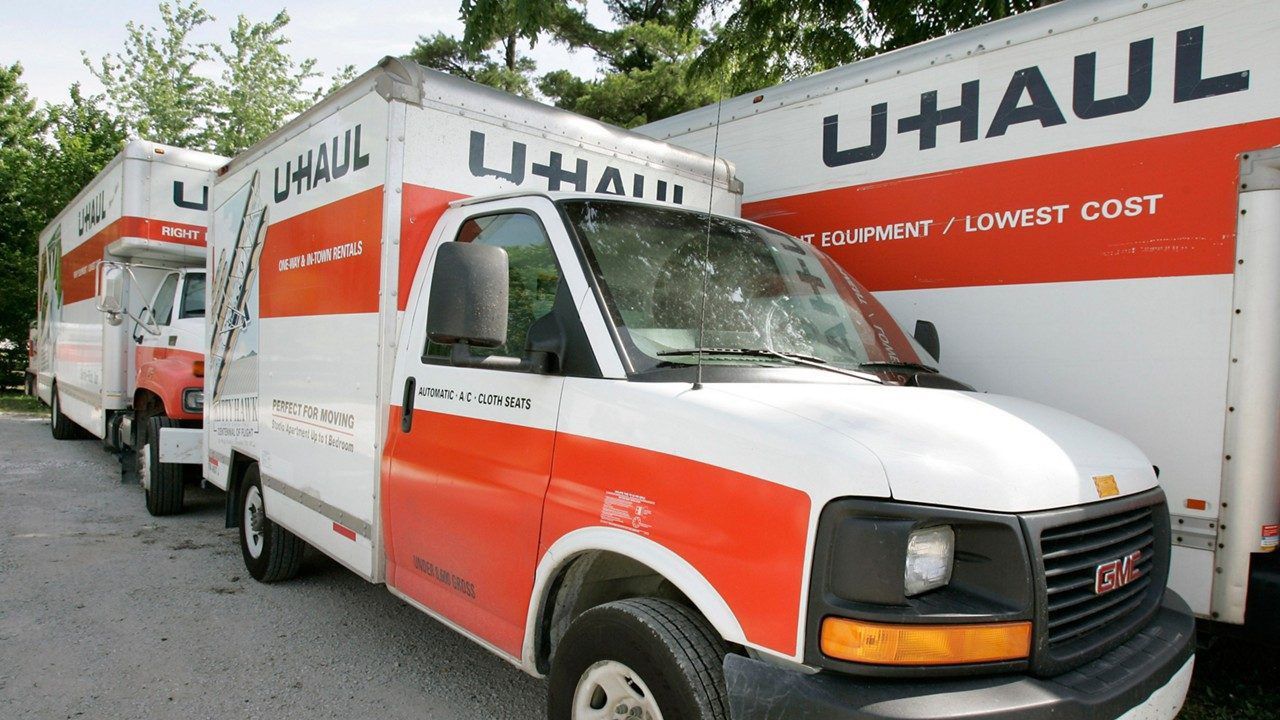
471 462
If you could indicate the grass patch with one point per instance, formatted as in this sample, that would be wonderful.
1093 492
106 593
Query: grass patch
1234 680
16 402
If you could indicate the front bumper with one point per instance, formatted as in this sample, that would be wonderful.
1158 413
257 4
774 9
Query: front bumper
1147 675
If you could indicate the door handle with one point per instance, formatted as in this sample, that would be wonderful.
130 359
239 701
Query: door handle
406 405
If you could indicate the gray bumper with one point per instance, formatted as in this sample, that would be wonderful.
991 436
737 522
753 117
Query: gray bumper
1105 688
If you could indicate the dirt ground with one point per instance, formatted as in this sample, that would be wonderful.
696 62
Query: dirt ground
107 612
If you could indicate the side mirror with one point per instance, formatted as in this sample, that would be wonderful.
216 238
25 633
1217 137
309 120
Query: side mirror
468 301
109 297
927 335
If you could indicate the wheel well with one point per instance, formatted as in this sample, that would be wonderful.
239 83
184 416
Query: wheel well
591 579
146 404
239 464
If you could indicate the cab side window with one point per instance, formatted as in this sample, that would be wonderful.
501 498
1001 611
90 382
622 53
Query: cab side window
192 296
162 308
533 275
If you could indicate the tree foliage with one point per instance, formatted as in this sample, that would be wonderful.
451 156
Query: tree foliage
155 88
262 86
21 126
158 85
46 157
154 84
763 42
511 72
665 56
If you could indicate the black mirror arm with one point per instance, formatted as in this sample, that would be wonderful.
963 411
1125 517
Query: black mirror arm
535 361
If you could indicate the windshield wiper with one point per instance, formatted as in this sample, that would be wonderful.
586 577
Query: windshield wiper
891 365
797 358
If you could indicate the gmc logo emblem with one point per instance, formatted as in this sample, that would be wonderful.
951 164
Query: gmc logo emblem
1116 574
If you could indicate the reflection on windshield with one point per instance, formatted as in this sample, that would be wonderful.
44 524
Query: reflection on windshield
764 290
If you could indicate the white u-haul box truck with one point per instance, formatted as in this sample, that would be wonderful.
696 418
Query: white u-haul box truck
1083 201
120 324
501 358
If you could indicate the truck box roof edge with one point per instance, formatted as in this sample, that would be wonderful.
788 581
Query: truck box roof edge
397 79
136 149
1013 30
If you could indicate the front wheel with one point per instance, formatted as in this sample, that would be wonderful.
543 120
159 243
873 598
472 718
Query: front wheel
163 482
270 552
638 659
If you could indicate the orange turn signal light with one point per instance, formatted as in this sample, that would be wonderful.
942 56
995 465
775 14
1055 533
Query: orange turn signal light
885 644
197 368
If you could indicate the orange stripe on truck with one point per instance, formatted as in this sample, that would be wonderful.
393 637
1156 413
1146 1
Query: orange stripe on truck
77 263
744 534
468 504
324 261
1150 208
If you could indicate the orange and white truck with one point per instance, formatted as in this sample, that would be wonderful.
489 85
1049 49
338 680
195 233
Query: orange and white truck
1083 200
120 325
533 374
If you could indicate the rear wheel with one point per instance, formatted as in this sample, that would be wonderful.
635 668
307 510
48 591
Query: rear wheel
59 424
638 659
163 482
270 552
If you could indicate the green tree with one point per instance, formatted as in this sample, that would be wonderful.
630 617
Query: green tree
906 22
155 85
647 78
22 126
158 85
509 71
764 42
644 59
83 137
261 87
46 157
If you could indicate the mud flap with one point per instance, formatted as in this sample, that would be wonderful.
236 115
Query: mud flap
128 466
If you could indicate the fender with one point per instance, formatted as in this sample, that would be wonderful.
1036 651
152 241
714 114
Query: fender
657 557
167 372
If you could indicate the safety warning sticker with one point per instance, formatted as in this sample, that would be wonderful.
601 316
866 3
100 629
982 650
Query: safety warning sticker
627 511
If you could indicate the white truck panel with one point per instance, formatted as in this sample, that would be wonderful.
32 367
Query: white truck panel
122 214
1056 191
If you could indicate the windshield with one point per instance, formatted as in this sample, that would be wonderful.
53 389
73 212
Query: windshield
764 290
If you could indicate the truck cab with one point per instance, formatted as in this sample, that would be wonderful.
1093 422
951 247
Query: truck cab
662 383
158 434
169 389
685 463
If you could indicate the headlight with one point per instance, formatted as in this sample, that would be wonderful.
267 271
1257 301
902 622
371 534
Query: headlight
930 552
193 400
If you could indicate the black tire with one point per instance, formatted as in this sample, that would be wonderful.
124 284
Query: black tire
60 425
670 648
164 484
280 553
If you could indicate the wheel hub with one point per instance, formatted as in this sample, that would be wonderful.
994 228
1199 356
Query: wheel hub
254 521
609 690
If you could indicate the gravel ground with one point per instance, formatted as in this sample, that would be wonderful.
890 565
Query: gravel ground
107 612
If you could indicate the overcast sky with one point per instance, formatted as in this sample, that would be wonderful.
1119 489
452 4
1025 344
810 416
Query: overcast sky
47 36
